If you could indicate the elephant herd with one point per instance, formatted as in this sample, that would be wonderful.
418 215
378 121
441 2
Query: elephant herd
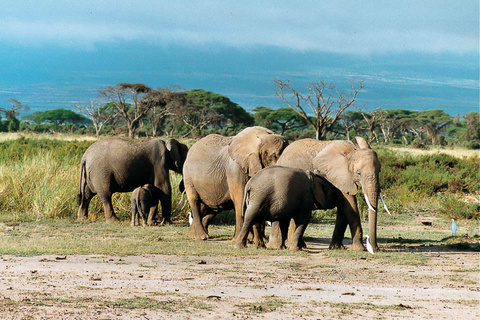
256 173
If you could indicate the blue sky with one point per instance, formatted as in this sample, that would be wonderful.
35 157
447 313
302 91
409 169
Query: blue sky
411 54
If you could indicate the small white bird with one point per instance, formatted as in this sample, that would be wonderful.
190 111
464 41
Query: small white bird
454 227
269 223
368 245
190 218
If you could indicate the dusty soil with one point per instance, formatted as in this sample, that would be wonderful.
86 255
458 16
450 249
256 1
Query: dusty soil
317 286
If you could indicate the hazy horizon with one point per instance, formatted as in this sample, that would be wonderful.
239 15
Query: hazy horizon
411 55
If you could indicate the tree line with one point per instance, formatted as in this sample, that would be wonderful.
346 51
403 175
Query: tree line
321 111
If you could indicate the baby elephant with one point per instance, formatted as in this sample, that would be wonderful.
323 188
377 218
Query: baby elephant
144 198
279 194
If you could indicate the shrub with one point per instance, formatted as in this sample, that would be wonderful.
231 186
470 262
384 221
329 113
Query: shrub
453 207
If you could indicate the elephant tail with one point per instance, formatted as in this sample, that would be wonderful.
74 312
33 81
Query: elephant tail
83 182
246 200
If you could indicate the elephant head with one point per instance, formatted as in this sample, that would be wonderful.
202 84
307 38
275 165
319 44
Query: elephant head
347 167
256 148
178 152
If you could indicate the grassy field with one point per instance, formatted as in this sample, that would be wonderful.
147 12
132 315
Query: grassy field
57 267
39 184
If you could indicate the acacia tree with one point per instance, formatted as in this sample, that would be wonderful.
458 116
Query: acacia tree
126 98
100 115
285 118
163 103
432 122
323 99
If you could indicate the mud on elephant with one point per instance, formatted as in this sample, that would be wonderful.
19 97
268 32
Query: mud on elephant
115 165
346 166
217 169
279 194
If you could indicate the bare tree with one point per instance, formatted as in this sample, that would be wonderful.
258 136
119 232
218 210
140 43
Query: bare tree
126 98
161 103
372 120
99 114
323 99
14 111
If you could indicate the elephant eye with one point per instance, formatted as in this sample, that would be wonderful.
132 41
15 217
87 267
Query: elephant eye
358 172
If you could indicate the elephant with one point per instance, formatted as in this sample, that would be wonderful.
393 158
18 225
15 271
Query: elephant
346 166
217 169
143 199
279 194
115 165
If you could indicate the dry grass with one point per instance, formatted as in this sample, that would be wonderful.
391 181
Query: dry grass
458 153
5 136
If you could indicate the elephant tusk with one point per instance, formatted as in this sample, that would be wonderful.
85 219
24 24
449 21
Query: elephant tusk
368 203
384 204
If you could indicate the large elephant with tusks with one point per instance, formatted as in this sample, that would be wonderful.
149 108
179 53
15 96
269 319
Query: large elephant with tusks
116 165
346 166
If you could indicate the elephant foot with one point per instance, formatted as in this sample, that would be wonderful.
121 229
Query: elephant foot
275 245
240 245
166 222
336 246
259 243
112 219
199 236
357 246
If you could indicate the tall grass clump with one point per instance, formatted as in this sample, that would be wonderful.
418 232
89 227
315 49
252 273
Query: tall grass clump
39 180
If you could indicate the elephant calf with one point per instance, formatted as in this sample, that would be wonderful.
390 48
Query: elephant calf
279 194
143 199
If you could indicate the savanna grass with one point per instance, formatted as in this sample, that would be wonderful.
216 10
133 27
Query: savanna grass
39 180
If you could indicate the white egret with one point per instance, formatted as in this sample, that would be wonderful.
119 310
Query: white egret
454 227
368 245
190 218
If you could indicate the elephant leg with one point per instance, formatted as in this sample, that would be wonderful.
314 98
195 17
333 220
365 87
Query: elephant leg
259 239
110 216
355 224
197 231
166 202
347 214
84 201
207 217
241 239
275 239
236 185
296 241
291 231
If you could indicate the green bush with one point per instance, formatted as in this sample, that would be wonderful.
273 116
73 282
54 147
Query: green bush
453 207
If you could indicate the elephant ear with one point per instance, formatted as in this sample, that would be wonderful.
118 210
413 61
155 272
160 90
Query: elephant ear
362 143
244 149
334 166
178 153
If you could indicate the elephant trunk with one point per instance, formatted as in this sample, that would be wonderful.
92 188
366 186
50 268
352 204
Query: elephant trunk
371 192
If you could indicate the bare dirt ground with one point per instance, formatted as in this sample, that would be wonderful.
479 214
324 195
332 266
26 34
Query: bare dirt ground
317 286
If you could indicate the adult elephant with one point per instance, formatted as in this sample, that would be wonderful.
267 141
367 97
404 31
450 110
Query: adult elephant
345 166
115 165
217 169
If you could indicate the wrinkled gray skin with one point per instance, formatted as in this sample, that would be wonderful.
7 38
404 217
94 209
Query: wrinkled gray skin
279 194
142 200
115 165
346 166
217 169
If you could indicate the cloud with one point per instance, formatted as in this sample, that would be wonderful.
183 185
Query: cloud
352 27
